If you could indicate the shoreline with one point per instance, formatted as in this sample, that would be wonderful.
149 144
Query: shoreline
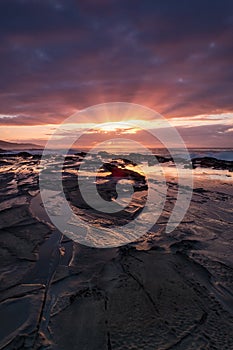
161 291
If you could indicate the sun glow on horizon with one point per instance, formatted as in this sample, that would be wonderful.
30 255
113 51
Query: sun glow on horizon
112 126
193 126
121 127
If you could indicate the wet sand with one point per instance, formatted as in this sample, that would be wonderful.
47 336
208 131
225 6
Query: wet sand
164 291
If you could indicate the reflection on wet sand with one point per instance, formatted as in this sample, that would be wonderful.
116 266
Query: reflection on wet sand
163 291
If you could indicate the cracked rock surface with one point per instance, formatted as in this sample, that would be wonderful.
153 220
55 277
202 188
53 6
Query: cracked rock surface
164 291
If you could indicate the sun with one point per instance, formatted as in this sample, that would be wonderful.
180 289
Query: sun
122 127
109 126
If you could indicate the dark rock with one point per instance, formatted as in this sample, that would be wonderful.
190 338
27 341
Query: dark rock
211 162
199 190
158 159
81 154
23 154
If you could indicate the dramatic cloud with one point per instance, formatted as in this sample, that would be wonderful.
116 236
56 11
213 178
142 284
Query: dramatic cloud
57 57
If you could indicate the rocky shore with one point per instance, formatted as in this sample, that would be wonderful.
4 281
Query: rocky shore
164 291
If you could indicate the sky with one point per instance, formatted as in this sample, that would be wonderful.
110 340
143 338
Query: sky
58 57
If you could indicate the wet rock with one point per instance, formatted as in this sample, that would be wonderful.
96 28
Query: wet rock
210 162
199 190
158 159
81 154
